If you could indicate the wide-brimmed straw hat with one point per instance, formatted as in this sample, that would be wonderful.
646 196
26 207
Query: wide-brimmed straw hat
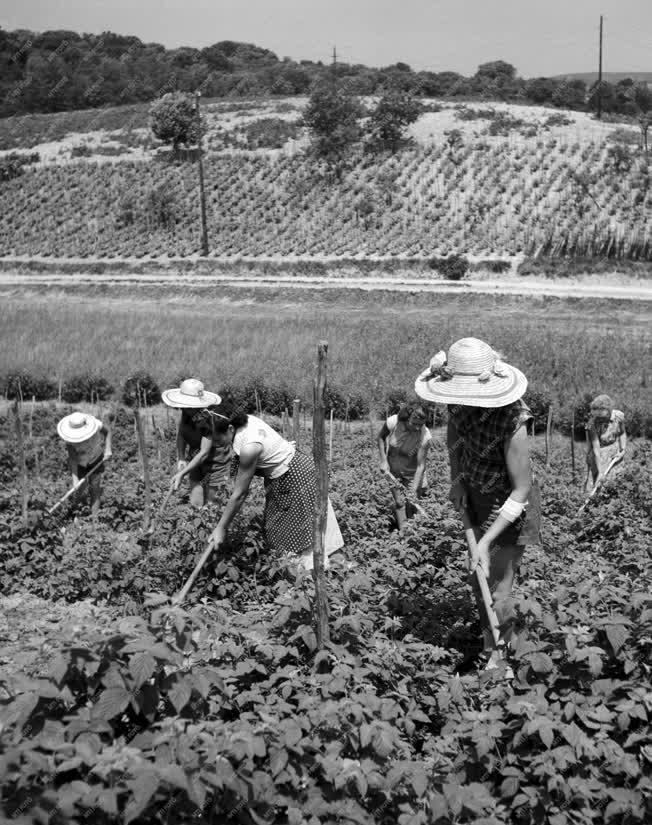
78 426
191 394
473 375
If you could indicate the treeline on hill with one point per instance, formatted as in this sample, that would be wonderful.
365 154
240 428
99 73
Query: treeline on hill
61 70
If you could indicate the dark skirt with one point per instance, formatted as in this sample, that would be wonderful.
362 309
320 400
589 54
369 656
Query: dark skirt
290 506
483 509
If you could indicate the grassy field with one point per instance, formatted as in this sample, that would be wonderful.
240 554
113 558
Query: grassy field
377 341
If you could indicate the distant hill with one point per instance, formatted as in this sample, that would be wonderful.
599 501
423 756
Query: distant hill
609 77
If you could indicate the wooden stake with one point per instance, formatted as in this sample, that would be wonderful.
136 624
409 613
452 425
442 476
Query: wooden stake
22 465
330 439
548 436
60 389
142 447
572 438
31 415
321 501
258 407
296 420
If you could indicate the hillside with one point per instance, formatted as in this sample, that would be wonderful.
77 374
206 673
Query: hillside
481 180
608 77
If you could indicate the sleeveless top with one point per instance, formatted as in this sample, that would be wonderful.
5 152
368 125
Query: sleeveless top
277 453
403 446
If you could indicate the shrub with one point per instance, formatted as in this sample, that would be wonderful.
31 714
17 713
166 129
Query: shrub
336 399
140 389
490 265
557 120
81 151
453 268
11 165
24 384
86 387
269 133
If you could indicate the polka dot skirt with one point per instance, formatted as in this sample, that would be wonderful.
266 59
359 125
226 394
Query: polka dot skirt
290 506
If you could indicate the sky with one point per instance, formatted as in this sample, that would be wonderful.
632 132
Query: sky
539 37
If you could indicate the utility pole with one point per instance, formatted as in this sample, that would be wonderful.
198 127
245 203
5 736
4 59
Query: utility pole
599 113
202 193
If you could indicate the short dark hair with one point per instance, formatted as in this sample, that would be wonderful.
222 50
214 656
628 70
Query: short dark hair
406 410
225 414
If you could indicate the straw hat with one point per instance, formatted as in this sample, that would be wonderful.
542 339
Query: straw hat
190 394
471 375
78 427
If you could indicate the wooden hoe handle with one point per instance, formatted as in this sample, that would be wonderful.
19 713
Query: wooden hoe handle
487 599
181 595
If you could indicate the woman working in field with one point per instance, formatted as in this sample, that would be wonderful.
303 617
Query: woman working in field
88 442
290 485
606 439
403 444
206 463
490 466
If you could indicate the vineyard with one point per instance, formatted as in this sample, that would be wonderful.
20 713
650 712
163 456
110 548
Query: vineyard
223 711
505 189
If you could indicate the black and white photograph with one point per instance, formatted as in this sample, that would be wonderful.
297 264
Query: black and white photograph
325 412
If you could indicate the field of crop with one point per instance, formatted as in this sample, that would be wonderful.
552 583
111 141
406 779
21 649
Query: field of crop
494 188
140 712
378 341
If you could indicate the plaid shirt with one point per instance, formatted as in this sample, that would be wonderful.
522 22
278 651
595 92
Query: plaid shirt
483 433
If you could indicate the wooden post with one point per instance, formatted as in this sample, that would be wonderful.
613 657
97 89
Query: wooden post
321 501
296 420
346 415
22 465
548 436
60 389
330 439
572 438
258 407
31 415
142 447
372 429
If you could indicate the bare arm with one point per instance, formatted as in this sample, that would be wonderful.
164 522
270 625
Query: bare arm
622 442
195 461
73 464
381 438
421 466
246 469
181 444
106 432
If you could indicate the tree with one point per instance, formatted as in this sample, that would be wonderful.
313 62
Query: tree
332 117
173 119
641 96
395 111
570 94
540 90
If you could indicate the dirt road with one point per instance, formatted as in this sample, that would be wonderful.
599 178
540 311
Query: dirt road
623 289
